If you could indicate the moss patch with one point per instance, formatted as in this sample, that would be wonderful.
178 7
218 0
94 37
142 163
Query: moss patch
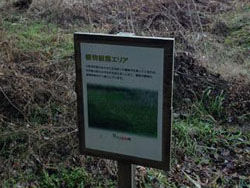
39 36
240 30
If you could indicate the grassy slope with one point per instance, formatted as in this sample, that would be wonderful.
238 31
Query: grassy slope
228 55
39 36
204 153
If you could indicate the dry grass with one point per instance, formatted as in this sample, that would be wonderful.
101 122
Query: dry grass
37 113
38 130
189 21
140 16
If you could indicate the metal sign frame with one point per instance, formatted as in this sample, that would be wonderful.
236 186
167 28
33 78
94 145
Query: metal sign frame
165 43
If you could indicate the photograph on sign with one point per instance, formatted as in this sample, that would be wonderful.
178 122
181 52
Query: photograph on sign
123 94
126 110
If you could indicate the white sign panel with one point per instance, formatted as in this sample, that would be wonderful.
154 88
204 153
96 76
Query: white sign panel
123 98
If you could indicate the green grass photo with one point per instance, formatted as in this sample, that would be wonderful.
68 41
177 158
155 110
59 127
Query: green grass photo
126 110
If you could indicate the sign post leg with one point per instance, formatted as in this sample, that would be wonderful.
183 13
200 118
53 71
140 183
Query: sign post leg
133 170
125 175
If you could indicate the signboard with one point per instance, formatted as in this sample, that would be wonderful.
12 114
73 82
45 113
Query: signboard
124 92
